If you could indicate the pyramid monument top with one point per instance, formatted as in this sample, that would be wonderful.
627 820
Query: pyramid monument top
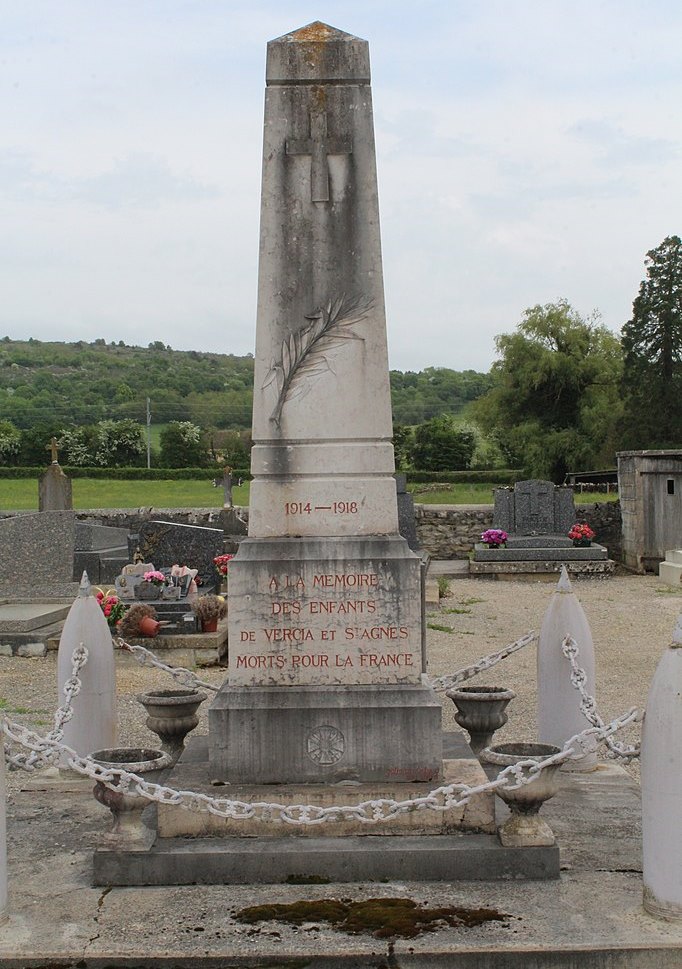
317 54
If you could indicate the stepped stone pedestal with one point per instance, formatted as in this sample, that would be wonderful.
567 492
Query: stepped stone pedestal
670 570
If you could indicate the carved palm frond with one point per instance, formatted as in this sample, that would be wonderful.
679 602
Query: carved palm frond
306 354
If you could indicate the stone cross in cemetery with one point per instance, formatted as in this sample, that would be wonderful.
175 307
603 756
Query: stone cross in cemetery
54 488
325 612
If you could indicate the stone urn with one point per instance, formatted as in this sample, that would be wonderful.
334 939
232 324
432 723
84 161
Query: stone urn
171 714
524 827
480 711
128 830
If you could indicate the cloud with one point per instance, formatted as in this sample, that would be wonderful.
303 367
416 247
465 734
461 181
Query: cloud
617 147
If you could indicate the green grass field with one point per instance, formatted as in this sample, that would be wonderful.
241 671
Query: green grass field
22 494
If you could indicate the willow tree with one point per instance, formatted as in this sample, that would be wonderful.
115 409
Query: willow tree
555 401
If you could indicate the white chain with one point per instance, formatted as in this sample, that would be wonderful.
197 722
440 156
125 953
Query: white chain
447 682
443 798
588 704
46 751
180 674
63 714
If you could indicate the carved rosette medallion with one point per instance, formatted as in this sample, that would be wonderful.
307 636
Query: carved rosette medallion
325 745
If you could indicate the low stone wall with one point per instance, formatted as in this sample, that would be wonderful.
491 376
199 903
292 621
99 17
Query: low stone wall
450 531
444 531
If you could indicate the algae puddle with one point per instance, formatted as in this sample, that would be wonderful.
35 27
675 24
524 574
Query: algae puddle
384 918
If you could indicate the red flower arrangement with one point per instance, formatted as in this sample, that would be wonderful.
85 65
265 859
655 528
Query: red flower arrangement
222 563
112 607
581 533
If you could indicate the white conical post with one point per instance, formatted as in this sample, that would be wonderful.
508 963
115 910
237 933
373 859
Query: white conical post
661 761
3 835
94 725
559 713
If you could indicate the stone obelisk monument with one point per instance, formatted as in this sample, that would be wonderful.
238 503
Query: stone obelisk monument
325 677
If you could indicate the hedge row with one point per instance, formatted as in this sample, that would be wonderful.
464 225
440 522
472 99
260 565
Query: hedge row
464 477
201 474
130 474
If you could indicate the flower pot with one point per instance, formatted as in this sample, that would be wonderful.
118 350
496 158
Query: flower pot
495 544
481 711
171 714
524 827
209 625
148 626
582 542
128 830
147 591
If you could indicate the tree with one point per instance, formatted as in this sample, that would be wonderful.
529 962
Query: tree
555 401
183 445
652 346
119 444
403 442
10 442
441 444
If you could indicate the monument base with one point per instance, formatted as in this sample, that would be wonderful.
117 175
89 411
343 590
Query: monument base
195 848
308 734
191 774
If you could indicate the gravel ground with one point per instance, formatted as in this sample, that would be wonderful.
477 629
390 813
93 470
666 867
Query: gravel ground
631 617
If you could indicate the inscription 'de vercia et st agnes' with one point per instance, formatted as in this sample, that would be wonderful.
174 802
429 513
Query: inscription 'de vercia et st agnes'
328 627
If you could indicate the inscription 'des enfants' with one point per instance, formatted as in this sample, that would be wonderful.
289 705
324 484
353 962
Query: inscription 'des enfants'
300 613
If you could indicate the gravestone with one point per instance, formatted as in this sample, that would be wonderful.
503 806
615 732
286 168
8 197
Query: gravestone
54 488
36 555
534 507
407 524
537 516
168 544
326 671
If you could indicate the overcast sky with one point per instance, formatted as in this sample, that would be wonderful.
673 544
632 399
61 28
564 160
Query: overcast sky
527 150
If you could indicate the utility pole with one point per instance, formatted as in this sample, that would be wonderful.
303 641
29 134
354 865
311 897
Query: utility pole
149 433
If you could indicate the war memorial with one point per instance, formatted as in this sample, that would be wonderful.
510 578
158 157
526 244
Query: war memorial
325 761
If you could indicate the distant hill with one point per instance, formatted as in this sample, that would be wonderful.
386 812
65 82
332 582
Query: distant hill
82 383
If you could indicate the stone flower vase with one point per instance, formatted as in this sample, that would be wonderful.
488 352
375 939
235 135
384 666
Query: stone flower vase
582 542
524 827
147 591
171 714
480 711
128 831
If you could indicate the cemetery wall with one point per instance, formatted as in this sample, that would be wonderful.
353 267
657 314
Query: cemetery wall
444 531
450 531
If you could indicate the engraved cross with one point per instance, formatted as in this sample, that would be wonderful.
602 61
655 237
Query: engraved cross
319 145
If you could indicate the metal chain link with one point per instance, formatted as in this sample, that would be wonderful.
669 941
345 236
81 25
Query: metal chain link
588 704
487 663
63 714
46 750
444 798
145 657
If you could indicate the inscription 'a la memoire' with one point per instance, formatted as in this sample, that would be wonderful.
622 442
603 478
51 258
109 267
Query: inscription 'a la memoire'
306 354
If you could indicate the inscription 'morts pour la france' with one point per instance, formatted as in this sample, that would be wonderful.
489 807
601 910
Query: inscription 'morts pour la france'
319 145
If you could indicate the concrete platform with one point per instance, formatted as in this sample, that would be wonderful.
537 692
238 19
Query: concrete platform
589 918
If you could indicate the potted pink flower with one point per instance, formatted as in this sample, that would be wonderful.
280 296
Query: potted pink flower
494 537
151 585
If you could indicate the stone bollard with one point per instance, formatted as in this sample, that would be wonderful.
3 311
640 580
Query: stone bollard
559 713
661 761
94 723
3 838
